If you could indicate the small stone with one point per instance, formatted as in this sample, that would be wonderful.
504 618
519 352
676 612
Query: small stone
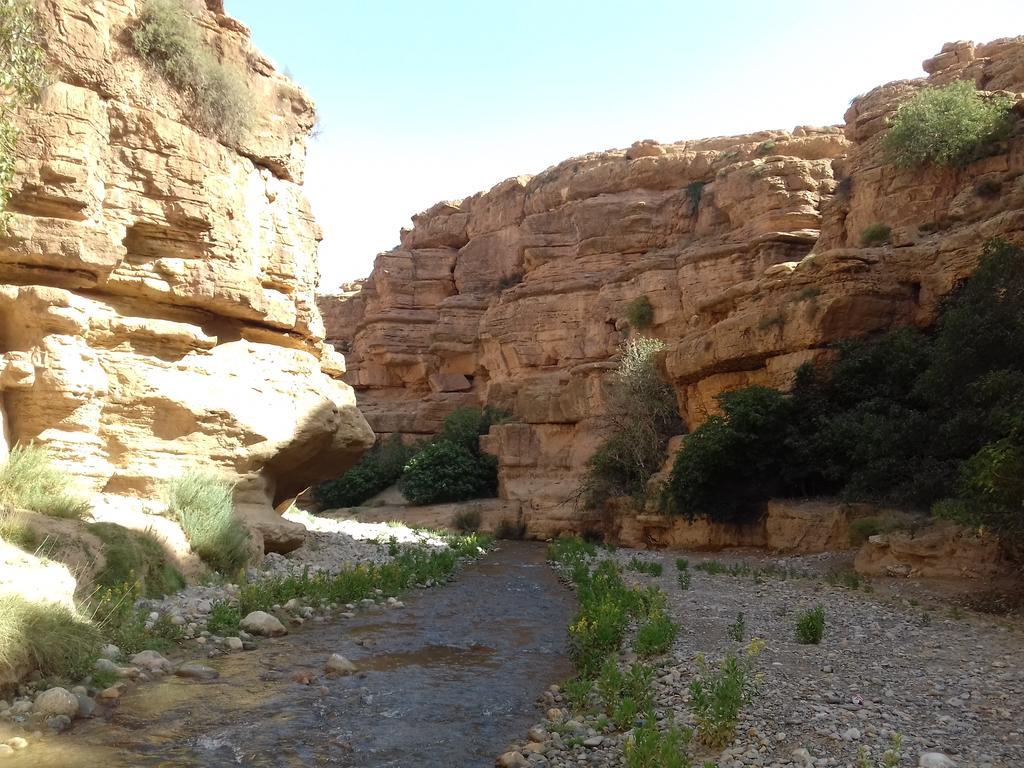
802 755
6 750
262 623
86 706
293 604
17 743
339 665
513 760
555 714
537 733
110 694
57 701
58 723
193 670
851 734
151 661
593 741
233 643
934 760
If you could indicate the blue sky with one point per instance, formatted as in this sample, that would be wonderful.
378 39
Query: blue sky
426 101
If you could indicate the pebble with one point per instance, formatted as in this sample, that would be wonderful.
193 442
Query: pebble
935 760
57 702
17 743
193 670
151 661
339 665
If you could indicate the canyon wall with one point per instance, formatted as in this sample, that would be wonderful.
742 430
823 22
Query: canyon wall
157 307
748 248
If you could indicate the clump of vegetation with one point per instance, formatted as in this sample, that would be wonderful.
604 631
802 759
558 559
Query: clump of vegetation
378 469
650 748
738 629
22 75
452 467
225 618
467 520
202 503
656 634
641 417
48 637
912 419
640 313
135 557
28 480
890 758
650 567
948 125
219 98
121 623
810 626
875 234
694 192
683 575
718 695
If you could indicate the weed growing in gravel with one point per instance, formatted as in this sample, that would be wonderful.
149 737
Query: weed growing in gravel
656 634
682 564
570 550
650 748
890 758
202 503
738 629
810 626
718 695
848 579
577 691
716 567
644 566
225 619
684 579
624 693
124 625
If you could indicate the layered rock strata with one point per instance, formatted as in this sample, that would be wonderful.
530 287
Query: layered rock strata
157 307
747 247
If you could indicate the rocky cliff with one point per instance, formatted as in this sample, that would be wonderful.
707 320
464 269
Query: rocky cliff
748 248
157 306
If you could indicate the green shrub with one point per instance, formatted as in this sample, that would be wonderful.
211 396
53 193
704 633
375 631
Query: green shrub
640 313
465 426
694 193
649 567
121 623
22 75
467 520
738 629
810 626
202 504
135 557
169 38
506 529
28 480
656 634
378 469
650 748
445 471
875 234
577 691
718 695
15 529
225 619
641 417
48 637
947 125
728 466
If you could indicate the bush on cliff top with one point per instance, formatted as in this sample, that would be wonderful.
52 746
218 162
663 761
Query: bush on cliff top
168 37
22 74
947 125
905 418
202 504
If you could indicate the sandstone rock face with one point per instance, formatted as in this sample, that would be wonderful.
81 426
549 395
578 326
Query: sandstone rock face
157 287
747 247
943 550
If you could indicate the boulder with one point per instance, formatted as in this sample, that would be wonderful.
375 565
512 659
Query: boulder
262 623
57 701
339 665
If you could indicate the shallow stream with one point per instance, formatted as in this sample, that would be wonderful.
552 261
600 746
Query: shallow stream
448 681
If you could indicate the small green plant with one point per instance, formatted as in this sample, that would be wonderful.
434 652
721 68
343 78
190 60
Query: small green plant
684 579
809 293
571 550
890 758
810 626
656 634
650 748
577 692
875 234
225 618
379 468
506 529
845 578
29 480
202 503
738 629
694 193
640 313
467 520
168 37
947 125
766 146
718 695
682 564
22 75
649 567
